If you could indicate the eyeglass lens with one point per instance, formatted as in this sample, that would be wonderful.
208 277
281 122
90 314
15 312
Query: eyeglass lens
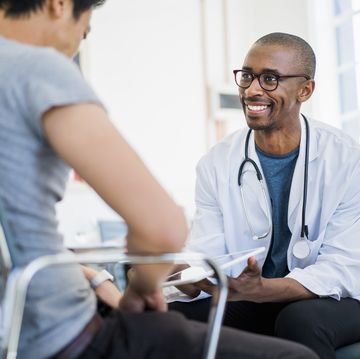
267 81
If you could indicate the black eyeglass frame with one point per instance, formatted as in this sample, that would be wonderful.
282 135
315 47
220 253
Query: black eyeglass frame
278 77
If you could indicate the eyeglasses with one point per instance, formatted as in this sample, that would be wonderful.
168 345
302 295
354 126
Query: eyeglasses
267 80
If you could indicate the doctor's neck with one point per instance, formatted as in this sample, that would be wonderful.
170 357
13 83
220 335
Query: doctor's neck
278 141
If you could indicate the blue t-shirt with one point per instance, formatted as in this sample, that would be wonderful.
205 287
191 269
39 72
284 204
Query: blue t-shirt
32 180
278 172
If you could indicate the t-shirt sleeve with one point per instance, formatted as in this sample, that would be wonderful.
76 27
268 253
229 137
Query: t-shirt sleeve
54 81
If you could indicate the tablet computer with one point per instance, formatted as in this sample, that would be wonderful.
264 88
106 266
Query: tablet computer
195 273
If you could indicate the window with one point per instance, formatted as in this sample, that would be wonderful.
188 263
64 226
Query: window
347 36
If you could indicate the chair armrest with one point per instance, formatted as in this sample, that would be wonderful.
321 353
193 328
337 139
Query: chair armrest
22 278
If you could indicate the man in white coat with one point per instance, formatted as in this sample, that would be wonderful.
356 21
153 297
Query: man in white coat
306 287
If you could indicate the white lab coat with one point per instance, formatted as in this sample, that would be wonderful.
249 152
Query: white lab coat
332 213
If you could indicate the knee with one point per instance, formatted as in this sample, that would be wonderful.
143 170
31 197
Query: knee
296 322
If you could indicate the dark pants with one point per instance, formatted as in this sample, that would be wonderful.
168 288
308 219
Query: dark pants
321 324
154 335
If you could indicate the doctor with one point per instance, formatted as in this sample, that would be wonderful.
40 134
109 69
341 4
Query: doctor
306 288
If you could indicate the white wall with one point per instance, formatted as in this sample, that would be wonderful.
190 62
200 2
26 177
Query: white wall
146 66
320 17
145 60
249 20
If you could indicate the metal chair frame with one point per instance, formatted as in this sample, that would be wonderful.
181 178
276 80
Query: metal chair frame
18 280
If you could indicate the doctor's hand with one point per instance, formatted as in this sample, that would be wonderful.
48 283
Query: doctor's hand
194 289
191 289
247 286
251 286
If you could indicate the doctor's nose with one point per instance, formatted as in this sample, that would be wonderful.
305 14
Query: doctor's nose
254 88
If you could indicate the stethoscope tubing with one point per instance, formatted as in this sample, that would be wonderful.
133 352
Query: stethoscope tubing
304 227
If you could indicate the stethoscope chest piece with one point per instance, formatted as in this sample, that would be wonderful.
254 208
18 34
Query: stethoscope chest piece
301 249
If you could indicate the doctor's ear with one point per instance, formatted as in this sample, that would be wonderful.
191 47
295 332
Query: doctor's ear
306 90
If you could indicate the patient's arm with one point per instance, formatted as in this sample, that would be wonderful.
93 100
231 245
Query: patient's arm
85 138
106 291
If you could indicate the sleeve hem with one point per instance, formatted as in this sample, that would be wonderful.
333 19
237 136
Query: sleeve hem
314 286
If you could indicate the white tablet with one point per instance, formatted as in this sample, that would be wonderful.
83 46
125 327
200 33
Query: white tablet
196 273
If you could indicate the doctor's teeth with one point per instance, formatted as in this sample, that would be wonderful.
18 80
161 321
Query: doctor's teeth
257 108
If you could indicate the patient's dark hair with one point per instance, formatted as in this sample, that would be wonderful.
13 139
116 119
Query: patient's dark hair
20 8
306 58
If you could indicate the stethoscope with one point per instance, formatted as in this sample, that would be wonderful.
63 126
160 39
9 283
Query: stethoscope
301 248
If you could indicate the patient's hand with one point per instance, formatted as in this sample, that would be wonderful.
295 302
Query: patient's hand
137 302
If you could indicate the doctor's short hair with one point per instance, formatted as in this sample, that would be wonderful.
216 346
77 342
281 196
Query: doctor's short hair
23 8
306 57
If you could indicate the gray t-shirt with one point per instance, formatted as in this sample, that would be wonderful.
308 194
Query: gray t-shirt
32 180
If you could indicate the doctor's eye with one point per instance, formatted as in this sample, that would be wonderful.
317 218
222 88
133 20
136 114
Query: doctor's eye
246 76
269 79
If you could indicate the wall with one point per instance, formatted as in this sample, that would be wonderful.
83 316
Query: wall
320 17
146 65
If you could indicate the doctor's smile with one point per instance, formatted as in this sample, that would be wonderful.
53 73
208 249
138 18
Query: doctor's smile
256 107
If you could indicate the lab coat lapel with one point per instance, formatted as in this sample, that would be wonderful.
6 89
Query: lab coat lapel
297 185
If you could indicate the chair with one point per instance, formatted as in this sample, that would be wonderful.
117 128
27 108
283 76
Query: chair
15 282
351 351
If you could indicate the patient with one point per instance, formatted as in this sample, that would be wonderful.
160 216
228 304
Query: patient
50 120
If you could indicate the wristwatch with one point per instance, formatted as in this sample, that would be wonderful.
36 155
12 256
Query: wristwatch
99 278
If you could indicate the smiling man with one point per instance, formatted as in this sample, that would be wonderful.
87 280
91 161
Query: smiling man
290 184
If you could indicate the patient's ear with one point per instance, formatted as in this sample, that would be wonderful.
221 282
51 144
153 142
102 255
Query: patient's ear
57 8
306 90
